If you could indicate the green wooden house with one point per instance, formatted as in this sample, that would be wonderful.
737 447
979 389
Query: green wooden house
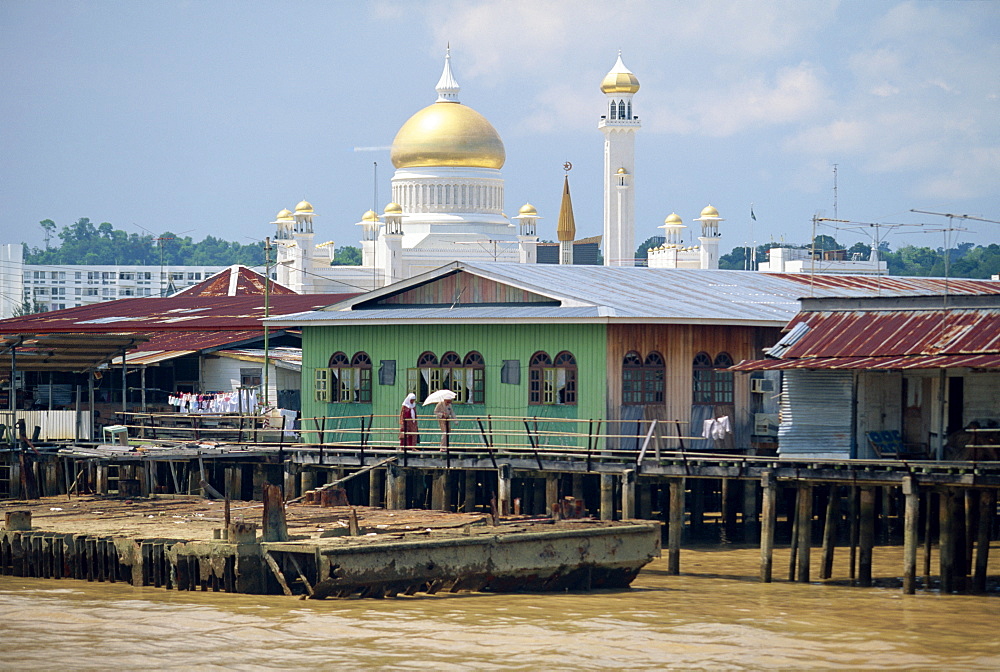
514 341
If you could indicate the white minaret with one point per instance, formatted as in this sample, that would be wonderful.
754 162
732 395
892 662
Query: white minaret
709 237
389 246
619 126
527 240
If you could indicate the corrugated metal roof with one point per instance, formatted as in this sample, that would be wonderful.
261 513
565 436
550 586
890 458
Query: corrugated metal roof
181 313
282 357
632 293
64 352
895 338
466 313
165 346
236 280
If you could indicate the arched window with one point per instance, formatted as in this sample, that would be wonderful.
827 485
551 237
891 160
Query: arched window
629 110
614 110
565 378
642 379
723 379
466 378
475 367
362 365
653 376
552 382
711 385
632 378
536 373
621 109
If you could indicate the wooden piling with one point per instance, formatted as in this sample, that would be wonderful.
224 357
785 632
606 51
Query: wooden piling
607 497
675 526
275 527
768 520
551 492
929 499
395 487
866 535
853 534
911 519
376 478
793 554
987 512
469 503
829 534
804 515
17 520
504 489
440 499
751 526
946 540
628 494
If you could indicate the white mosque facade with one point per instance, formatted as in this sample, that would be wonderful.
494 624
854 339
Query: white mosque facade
448 203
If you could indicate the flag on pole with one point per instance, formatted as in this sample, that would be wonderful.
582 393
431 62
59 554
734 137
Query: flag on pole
752 216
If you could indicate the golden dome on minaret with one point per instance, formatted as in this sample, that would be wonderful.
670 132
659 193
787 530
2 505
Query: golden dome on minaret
304 208
528 209
284 215
620 79
709 211
448 133
393 208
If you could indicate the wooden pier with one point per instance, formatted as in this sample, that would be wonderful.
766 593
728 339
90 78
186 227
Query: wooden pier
809 507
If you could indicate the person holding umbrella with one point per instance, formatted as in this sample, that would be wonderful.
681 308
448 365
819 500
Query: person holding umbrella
408 434
443 412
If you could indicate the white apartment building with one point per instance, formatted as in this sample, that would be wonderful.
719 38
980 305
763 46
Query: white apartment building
54 287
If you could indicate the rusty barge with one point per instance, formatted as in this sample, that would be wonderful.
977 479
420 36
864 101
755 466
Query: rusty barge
182 543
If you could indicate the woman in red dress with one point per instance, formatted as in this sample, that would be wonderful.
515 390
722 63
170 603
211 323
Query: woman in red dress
408 435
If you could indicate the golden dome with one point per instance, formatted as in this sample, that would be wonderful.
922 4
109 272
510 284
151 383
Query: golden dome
369 216
620 79
304 207
709 211
393 209
448 134
673 218
622 171
527 209
284 215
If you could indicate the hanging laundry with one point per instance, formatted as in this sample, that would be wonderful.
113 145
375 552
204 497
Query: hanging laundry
716 428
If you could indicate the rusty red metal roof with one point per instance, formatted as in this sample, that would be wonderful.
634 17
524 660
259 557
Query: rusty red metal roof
179 313
890 284
898 337
234 281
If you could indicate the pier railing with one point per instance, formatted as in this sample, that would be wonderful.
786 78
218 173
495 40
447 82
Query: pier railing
504 434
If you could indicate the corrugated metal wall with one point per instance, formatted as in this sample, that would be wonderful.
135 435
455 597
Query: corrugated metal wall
56 425
817 413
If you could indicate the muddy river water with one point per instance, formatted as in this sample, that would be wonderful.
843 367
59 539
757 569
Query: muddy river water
714 616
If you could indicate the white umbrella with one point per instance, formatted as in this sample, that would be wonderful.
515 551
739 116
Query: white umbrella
440 395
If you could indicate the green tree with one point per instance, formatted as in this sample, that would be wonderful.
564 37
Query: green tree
642 252
346 256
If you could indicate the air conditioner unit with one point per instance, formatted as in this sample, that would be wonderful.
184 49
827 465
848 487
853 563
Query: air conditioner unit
761 385
765 424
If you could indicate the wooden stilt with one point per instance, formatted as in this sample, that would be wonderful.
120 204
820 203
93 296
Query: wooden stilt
911 518
866 536
946 541
929 499
987 512
469 503
829 534
793 554
395 486
376 478
676 526
551 492
504 478
854 531
768 519
628 494
607 497
751 526
805 530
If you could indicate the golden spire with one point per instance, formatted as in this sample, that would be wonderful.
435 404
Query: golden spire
566 229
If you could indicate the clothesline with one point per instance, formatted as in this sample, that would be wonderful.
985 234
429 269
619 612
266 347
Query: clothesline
218 402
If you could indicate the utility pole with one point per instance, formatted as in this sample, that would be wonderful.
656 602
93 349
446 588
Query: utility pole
267 313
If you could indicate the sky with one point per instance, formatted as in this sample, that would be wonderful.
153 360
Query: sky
207 118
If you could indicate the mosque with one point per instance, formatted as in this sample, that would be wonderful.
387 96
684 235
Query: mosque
448 203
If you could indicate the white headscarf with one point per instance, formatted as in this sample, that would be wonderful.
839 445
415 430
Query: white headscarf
410 401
